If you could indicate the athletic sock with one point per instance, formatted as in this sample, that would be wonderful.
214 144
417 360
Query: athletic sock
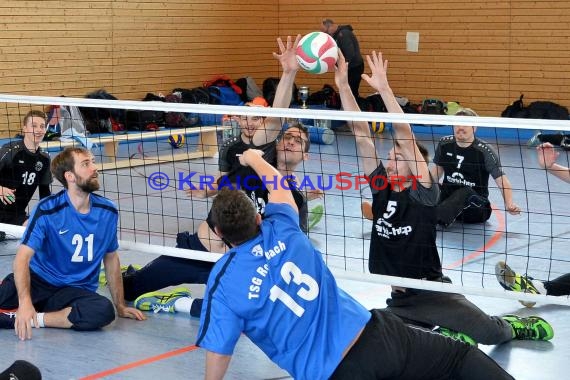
183 304
539 285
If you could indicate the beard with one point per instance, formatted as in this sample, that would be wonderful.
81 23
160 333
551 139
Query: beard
89 185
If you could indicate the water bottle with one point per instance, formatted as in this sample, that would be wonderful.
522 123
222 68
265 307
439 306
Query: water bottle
229 125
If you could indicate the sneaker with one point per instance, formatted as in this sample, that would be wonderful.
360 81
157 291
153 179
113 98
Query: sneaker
124 269
510 280
366 209
7 319
456 335
529 328
315 216
22 369
161 301
534 140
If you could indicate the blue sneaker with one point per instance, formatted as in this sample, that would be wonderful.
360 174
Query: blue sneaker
161 301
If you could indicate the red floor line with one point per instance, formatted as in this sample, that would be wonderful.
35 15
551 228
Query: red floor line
487 246
139 363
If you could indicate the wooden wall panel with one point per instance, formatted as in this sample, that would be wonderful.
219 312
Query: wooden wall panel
481 53
130 47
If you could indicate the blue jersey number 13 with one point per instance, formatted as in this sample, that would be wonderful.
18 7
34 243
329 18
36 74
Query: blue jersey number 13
308 292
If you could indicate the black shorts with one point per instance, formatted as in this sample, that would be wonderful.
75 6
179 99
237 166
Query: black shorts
16 219
390 349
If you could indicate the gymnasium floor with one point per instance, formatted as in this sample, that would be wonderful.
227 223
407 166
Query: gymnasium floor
162 346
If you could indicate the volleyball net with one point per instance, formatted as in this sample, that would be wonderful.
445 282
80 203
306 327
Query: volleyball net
147 171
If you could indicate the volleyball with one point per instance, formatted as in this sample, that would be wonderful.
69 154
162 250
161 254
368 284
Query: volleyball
177 141
377 127
317 53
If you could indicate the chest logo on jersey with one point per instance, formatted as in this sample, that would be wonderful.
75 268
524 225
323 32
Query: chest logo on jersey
257 250
386 230
39 166
257 281
458 179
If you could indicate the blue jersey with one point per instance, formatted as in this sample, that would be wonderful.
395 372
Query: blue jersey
277 290
69 246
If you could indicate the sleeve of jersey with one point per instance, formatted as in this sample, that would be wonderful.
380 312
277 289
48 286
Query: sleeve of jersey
282 211
378 180
46 177
35 232
113 241
424 195
220 328
437 154
492 162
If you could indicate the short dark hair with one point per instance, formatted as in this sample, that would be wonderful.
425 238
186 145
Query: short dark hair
328 22
304 130
64 162
34 113
423 150
234 214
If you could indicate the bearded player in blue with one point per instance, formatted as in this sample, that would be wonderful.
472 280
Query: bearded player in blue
56 268
274 287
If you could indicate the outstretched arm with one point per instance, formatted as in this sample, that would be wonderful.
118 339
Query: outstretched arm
274 181
284 89
547 157
360 129
402 131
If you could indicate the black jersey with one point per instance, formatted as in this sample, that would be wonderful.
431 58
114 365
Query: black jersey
23 171
228 161
403 234
470 166
246 179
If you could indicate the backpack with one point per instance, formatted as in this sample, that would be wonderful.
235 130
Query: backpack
376 103
177 119
144 120
224 95
103 120
516 109
269 87
547 110
249 89
197 95
536 110
327 97
433 107
223 81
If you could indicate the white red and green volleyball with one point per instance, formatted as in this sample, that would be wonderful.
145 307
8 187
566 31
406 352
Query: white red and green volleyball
317 53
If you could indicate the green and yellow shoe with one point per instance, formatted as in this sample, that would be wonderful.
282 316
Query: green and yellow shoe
529 328
124 268
161 301
510 280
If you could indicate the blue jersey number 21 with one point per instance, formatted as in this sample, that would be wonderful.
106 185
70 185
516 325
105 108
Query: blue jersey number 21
308 292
